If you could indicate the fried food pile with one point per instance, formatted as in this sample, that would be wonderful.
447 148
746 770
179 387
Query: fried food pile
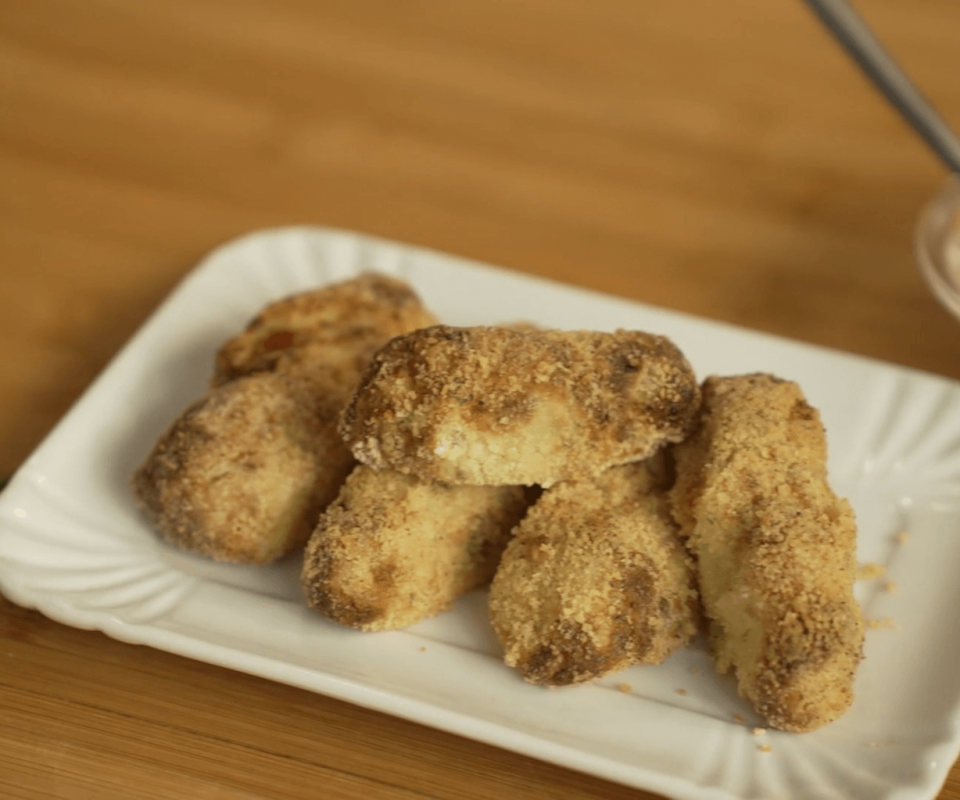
243 473
615 505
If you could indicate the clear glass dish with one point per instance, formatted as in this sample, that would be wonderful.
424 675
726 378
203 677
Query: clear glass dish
938 245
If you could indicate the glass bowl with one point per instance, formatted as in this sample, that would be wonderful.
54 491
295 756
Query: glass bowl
938 245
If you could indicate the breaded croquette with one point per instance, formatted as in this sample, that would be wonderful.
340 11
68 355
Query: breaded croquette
775 548
596 579
392 549
356 316
500 406
243 473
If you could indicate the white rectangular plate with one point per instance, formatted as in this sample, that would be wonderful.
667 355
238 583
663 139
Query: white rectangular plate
73 546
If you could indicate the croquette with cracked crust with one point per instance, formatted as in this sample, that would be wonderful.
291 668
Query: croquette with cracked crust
500 406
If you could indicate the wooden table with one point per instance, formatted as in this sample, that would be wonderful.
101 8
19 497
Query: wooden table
723 159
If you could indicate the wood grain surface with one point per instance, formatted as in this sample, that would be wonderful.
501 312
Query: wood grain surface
723 159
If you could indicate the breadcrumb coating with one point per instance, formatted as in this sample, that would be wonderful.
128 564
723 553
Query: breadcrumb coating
596 579
502 406
393 549
354 317
775 548
244 472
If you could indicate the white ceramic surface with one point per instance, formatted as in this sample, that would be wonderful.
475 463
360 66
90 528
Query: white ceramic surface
73 546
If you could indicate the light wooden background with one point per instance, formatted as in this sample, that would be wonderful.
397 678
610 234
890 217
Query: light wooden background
723 159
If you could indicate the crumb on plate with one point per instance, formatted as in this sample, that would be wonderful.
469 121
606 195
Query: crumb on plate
870 570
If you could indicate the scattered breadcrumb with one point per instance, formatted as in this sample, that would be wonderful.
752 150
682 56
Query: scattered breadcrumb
423 649
739 718
626 688
695 670
875 744
884 622
890 586
681 691
765 748
903 537
759 731
870 570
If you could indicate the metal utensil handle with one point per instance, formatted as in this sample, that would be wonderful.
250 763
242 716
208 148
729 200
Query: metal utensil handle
857 38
